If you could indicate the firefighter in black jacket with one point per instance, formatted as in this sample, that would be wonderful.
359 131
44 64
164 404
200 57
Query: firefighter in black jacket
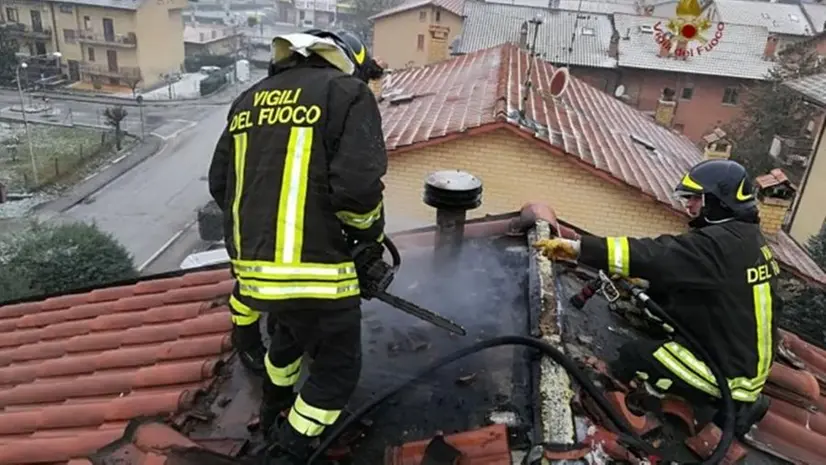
297 173
718 281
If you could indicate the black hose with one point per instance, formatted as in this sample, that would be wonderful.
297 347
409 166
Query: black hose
626 434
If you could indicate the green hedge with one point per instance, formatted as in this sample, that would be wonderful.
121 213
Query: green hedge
212 84
193 64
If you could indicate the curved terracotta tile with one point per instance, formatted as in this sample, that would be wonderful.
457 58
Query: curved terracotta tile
7 326
81 312
800 382
219 322
56 449
18 310
61 302
814 357
196 294
65 330
39 351
108 294
194 347
172 313
790 439
42 391
19 337
206 277
152 334
158 286
138 302
159 436
94 342
174 373
116 321
41 319
789 411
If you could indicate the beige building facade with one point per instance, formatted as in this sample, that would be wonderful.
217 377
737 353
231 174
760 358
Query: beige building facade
106 42
208 39
809 210
415 37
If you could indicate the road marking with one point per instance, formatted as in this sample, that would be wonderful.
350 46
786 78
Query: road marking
186 125
165 246
118 160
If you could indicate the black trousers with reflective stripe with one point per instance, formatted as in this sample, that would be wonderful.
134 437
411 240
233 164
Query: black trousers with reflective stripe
333 339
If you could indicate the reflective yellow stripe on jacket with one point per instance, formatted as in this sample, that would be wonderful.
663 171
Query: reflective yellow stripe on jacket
287 277
680 361
618 256
360 220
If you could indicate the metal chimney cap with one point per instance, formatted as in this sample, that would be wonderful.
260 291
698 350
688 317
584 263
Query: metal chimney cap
453 180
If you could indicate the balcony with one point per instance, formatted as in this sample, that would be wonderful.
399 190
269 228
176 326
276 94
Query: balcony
20 30
122 72
129 40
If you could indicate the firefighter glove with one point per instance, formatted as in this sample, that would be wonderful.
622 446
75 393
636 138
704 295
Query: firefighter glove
558 249
373 272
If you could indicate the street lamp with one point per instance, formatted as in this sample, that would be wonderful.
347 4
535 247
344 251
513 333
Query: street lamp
24 65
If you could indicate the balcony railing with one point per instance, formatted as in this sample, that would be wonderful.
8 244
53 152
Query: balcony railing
129 40
26 31
123 72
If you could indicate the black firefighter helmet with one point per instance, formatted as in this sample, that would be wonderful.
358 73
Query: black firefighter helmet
725 188
366 67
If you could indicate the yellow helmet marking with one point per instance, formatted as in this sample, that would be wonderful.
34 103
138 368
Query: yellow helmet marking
360 55
690 183
742 196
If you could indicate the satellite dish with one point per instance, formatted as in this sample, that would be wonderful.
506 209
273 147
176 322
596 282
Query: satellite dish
559 82
619 91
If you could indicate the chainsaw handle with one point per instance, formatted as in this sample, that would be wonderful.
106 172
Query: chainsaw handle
395 256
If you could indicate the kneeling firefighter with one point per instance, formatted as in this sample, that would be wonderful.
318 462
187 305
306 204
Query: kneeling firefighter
718 281
297 173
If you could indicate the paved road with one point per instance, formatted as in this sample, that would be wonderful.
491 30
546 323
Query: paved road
154 201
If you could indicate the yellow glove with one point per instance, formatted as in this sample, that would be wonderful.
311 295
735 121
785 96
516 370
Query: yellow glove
558 249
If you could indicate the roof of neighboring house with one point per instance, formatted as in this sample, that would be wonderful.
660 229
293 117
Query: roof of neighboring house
483 89
817 15
778 18
812 87
206 33
739 53
116 4
490 24
453 6
583 6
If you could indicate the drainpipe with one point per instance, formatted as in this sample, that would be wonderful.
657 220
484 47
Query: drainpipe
452 193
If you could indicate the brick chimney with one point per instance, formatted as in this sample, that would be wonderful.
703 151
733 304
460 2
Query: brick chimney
771 48
775 194
718 145
438 49
666 108
613 46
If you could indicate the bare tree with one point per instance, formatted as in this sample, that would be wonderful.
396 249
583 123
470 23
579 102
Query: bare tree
114 117
132 82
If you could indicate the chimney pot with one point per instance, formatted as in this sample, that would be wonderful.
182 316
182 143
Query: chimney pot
718 146
613 46
438 49
523 36
771 48
452 193
775 194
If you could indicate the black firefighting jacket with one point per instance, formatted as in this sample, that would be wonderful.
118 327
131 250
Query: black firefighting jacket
719 283
298 166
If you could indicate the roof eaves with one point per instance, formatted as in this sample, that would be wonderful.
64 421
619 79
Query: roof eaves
400 9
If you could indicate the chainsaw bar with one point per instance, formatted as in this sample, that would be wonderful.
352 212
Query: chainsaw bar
421 313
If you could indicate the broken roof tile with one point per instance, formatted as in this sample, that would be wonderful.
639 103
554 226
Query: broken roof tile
775 177
485 446
484 90
75 369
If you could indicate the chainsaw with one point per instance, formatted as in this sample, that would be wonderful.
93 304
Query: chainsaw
375 276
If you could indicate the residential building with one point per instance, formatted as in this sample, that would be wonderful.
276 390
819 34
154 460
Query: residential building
314 13
416 32
110 42
692 94
211 39
809 210
619 54
789 22
604 166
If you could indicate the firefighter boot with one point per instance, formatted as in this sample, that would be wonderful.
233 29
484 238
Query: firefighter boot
275 403
746 415
251 351
289 447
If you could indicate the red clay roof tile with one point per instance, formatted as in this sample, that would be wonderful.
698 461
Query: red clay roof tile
485 446
75 369
485 88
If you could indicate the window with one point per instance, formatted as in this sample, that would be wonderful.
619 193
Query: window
91 53
66 9
679 127
588 31
687 93
438 16
731 96
69 35
420 42
11 15
87 23
422 16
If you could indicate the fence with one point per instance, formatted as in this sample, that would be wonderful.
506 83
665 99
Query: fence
58 153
